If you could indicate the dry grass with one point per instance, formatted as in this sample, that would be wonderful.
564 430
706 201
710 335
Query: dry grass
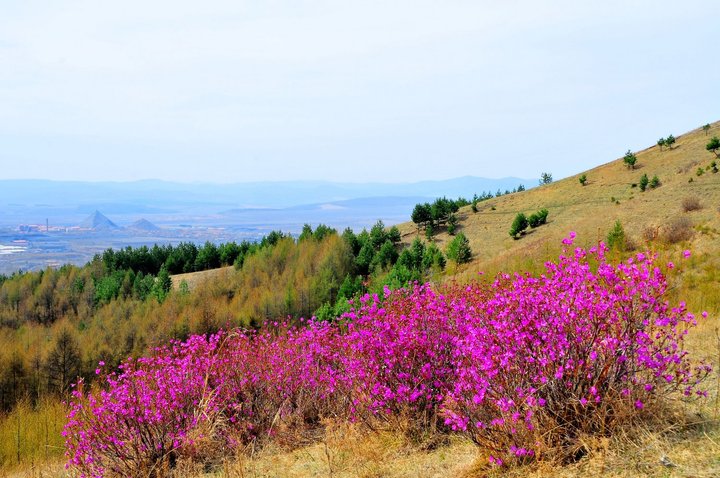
30 441
29 436
53 469
682 443
192 279
588 210
350 451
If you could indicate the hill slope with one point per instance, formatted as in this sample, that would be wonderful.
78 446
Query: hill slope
592 210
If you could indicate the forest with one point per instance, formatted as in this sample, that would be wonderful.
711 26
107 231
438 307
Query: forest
57 324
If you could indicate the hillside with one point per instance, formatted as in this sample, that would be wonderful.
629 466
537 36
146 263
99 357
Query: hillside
590 210
117 308
193 279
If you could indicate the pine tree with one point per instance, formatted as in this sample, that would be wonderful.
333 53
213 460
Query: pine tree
520 223
163 284
630 159
458 249
616 237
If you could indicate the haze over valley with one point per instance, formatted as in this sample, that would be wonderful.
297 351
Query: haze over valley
50 223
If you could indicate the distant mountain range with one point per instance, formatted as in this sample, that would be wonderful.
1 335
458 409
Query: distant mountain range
167 203
154 195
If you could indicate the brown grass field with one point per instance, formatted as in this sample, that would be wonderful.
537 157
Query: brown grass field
685 443
192 279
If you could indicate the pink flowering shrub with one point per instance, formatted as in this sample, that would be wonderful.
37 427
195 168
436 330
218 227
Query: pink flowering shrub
144 414
229 389
525 367
575 351
282 378
399 357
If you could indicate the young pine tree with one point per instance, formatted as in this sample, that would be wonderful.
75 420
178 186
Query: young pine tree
616 237
458 249
630 159
520 223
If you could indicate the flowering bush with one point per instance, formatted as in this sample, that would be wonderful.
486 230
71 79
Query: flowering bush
575 351
524 367
144 414
228 389
399 357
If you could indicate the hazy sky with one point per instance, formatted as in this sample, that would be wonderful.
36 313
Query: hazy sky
237 90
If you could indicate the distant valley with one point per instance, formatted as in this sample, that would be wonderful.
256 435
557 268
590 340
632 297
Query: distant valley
50 223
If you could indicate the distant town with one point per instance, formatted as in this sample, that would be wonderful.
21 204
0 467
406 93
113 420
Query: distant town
29 247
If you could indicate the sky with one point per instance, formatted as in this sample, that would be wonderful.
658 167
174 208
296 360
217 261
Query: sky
362 91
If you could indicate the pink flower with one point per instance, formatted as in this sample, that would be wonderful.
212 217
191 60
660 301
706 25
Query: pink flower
686 253
569 240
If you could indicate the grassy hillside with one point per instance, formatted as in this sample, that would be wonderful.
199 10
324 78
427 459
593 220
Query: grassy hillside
193 279
590 210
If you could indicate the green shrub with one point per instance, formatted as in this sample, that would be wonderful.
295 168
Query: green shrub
630 159
452 224
458 249
538 218
429 232
616 237
714 145
520 223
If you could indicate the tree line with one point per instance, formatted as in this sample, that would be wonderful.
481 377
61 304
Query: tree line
58 324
